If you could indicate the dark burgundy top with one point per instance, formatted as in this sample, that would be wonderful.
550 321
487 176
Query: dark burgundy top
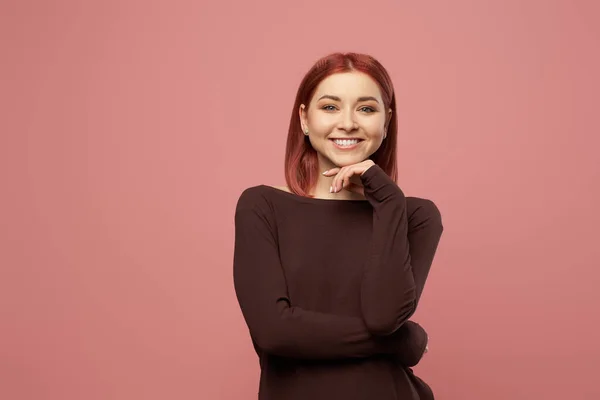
327 287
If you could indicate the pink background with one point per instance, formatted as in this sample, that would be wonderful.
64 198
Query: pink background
129 129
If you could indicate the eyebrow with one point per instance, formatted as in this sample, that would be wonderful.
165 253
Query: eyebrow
364 98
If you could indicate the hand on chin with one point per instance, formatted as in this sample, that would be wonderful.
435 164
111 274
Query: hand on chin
348 176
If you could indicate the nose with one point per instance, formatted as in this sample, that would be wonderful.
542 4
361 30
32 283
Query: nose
347 122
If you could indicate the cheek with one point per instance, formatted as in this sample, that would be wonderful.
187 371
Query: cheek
375 131
322 123
372 124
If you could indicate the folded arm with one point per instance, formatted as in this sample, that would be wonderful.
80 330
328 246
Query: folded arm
278 327
400 259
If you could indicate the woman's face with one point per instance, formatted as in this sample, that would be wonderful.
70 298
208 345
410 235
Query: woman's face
346 119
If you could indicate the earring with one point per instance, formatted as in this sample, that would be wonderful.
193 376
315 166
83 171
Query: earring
306 132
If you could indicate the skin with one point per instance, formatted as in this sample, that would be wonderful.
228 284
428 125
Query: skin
344 106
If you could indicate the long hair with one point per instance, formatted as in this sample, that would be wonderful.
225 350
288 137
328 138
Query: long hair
301 163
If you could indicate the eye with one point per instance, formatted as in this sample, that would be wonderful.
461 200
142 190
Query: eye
370 109
328 109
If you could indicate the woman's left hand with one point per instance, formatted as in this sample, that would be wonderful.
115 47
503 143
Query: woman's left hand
348 177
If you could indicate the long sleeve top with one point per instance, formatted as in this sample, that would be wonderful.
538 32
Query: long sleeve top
327 288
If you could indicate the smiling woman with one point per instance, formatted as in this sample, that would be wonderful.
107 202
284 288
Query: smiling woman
345 102
332 321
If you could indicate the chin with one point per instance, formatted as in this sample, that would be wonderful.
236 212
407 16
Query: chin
347 160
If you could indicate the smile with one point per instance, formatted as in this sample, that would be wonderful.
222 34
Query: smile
346 143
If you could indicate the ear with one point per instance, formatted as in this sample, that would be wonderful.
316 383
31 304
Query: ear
387 123
388 119
303 117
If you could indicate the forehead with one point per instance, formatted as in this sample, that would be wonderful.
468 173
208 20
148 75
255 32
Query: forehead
348 85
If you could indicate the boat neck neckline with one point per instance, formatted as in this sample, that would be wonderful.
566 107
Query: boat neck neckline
315 200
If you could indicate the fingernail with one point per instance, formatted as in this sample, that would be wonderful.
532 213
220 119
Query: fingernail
325 172
330 189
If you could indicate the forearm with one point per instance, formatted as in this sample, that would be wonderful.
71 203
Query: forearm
388 292
399 259
313 335
297 333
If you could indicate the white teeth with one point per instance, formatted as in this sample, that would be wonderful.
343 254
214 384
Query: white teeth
346 142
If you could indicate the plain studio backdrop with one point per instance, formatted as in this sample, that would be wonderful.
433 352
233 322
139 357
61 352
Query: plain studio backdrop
128 130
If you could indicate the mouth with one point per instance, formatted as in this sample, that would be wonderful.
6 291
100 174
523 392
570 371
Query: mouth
346 144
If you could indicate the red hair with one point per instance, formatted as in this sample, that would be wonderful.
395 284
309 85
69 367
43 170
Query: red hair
301 163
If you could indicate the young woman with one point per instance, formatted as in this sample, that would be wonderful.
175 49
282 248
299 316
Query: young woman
329 269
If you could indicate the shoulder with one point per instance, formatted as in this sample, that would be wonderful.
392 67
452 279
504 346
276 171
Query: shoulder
261 197
255 209
253 197
422 203
423 208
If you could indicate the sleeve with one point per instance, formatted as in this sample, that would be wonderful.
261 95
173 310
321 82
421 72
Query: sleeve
275 325
399 260
410 341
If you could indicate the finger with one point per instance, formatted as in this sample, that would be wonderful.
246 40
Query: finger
346 179
343 178
331 172
334 182
336 179
341 181
332 187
